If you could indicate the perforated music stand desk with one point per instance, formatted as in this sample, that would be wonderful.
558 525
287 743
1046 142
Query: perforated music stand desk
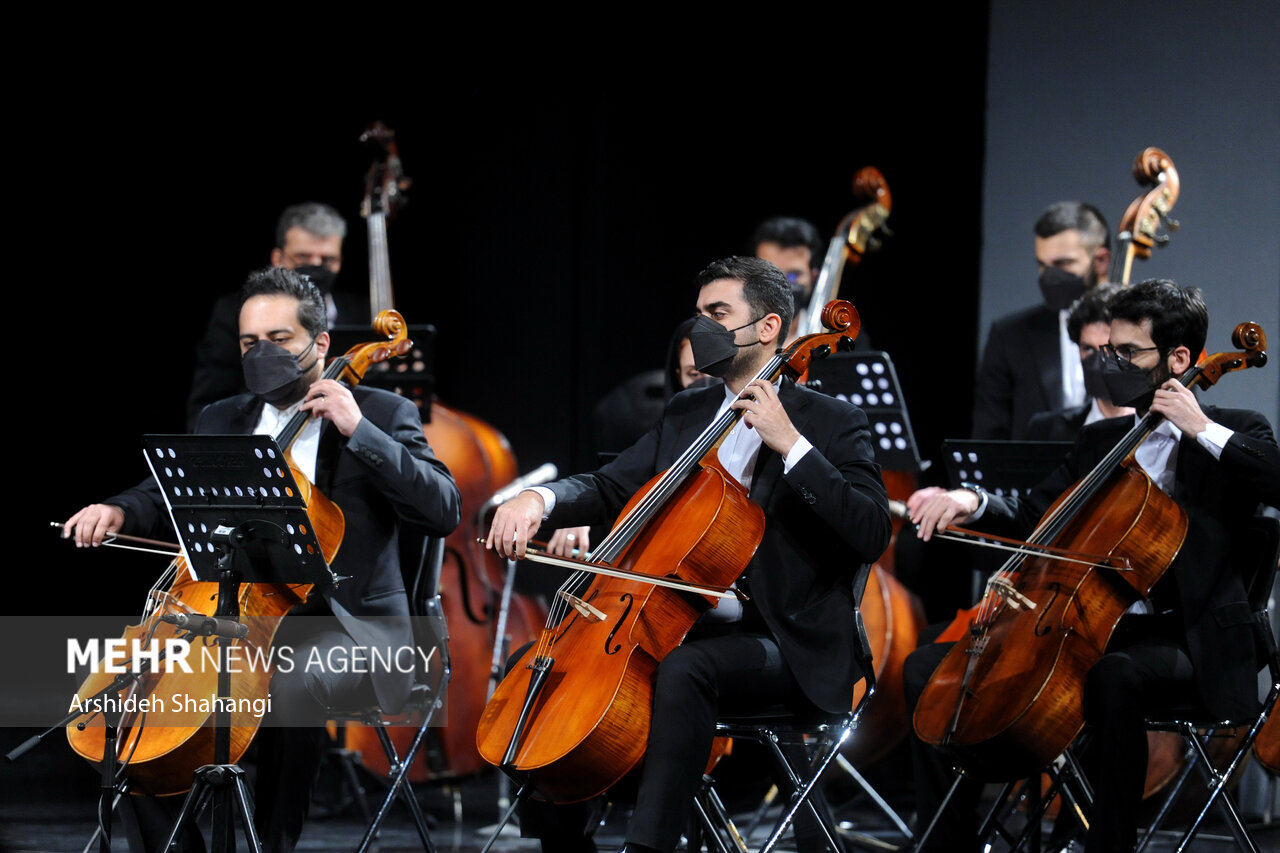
868 380
1003 468
240 482
240 516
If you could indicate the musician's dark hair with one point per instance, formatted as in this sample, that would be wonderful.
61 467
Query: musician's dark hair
1178 314
1085 218
312 217
764 287
789 232
278 281
1093 307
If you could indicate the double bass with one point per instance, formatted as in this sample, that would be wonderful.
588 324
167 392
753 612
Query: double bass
572 716
1007 699
891 614
482 462
161 749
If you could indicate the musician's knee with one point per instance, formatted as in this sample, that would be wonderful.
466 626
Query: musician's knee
1112 682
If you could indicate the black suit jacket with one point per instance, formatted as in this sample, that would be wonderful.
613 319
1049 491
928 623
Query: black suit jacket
824 522
383 474
1218 496
1020 374
1058 425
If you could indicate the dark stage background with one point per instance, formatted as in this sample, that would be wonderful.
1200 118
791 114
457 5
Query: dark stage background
551 237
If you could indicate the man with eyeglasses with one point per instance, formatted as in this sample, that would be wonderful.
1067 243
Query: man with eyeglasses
1190 639
309 240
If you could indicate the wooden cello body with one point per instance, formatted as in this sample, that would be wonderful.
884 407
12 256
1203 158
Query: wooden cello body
591 720
1006 715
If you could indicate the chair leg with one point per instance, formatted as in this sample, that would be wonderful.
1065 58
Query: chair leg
398 784
874 795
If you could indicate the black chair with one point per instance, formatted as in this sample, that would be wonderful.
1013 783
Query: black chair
801 745
425 700
1258 548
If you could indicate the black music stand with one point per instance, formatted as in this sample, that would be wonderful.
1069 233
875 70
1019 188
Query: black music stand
868 380
1002 467
241 518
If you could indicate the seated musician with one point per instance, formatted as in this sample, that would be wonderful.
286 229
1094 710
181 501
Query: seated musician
1192 639
365 449
807 460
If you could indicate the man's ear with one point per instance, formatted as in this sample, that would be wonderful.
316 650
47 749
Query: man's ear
1180 361
277 255
770 326
322 344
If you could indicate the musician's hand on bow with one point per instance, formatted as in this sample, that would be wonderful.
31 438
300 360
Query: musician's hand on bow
328 398
918 498
92 524
764 413
938 511
1179 405
570 542
514 523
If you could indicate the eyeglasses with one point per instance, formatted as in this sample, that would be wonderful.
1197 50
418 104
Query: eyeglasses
1125 353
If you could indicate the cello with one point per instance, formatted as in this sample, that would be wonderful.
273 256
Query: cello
1007 699
482 462
160 749
571 717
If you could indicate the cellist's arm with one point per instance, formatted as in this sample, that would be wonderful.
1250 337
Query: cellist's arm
840 481
389 443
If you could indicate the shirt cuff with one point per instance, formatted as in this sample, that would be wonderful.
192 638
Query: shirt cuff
798 450
1214 438
548 499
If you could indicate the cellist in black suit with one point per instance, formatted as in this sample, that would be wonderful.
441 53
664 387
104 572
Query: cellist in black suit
806 458
1192 639
365 450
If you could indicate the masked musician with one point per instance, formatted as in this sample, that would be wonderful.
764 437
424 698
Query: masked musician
806 459
308 239
365 450
1029 364
1089 328
1193 639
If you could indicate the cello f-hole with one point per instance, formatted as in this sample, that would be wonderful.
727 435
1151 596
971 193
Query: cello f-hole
627 597
1042 630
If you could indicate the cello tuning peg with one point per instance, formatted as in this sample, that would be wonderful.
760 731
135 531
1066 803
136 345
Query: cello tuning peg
1162 240
874 244
1172 224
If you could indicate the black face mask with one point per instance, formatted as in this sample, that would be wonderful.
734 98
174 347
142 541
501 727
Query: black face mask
1130 385
322 277
1094 385
1060 288
800 296
273 374
713 345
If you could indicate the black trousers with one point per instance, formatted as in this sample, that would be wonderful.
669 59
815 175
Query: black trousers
289 745
1146 668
